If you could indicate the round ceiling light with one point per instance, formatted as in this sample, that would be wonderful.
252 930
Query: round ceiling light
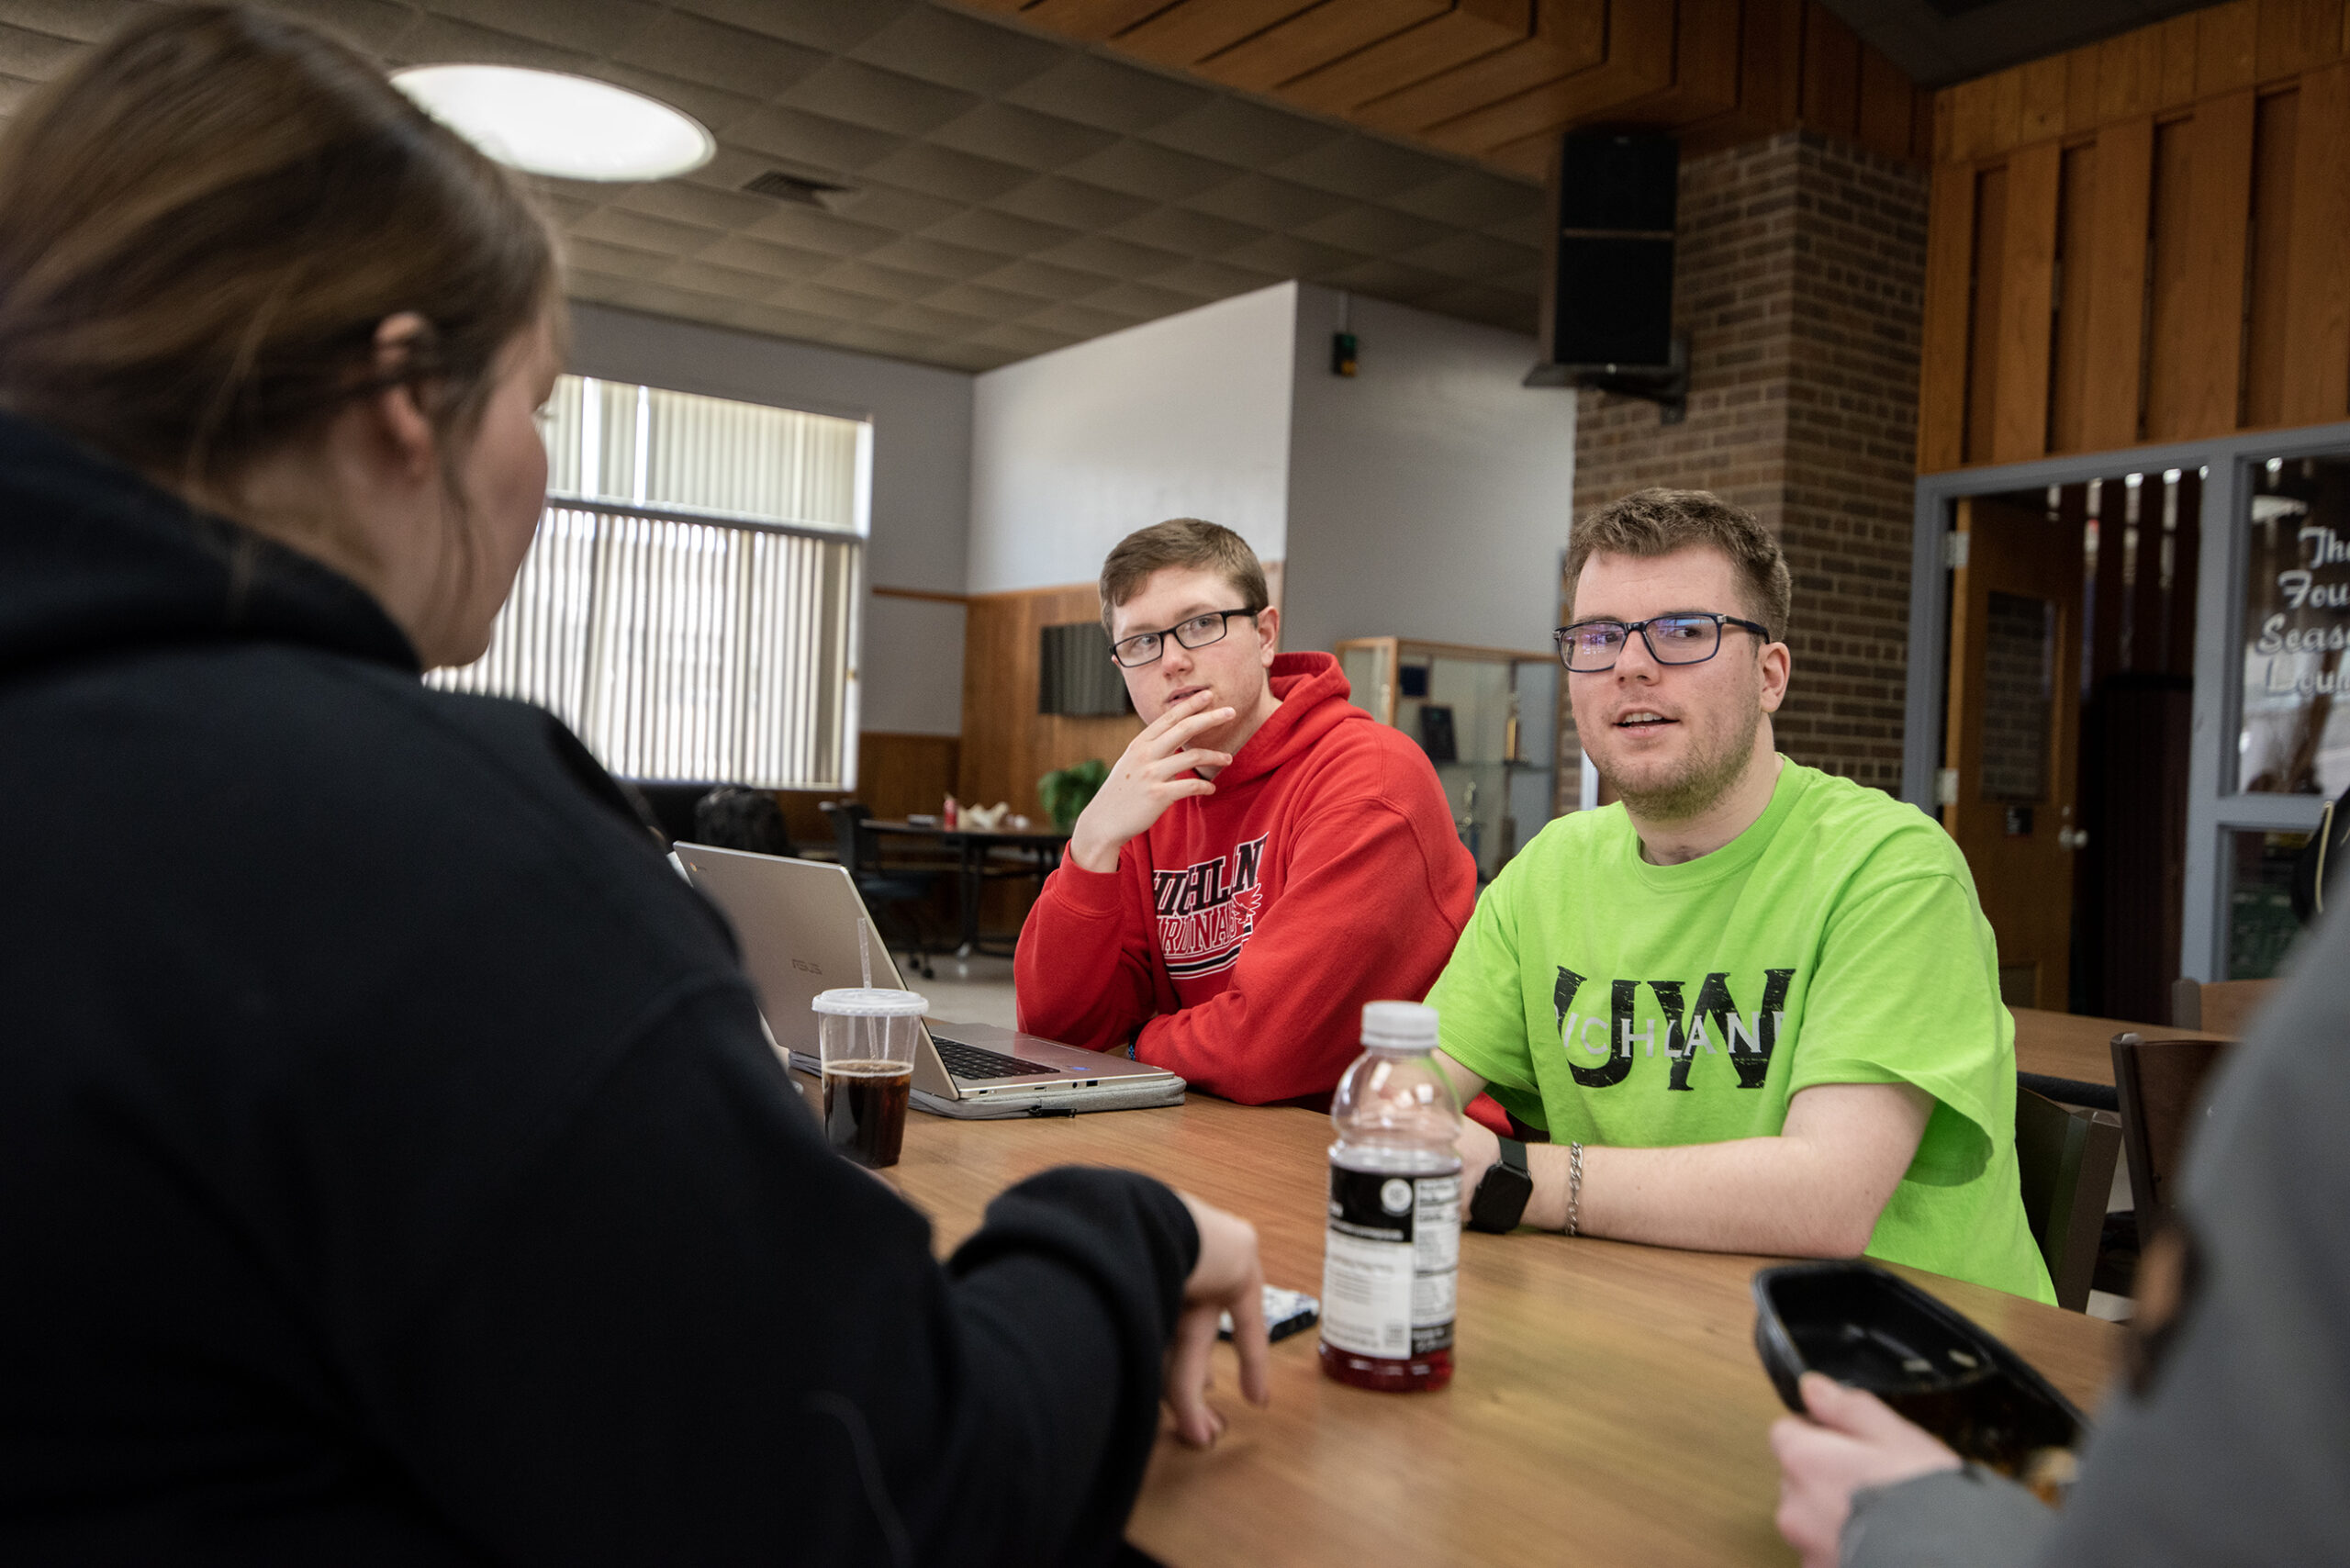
569 127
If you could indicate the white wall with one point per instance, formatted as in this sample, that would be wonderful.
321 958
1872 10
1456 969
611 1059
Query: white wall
1429 496
912 665
1184 417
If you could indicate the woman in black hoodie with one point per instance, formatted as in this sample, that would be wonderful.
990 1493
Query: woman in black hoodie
392 1170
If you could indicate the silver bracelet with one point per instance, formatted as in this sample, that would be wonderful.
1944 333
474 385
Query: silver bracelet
1574 1186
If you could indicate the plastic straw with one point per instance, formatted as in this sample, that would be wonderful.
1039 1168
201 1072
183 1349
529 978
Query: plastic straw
865 955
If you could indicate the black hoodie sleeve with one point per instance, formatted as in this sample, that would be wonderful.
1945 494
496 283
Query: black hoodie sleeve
694 1334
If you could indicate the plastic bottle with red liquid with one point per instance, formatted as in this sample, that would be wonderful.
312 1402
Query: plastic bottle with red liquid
1393 1253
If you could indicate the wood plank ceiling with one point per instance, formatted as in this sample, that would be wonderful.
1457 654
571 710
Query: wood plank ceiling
1499 80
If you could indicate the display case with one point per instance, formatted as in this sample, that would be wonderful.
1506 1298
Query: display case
1483 715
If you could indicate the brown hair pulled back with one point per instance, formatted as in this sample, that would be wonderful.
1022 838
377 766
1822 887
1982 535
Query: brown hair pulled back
206 219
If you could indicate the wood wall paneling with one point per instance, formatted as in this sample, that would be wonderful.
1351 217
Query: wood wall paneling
2113 341
2076 251
1008 746
896 774
2296 36
1983 326
1942 393
2198 345
2026 266
2225 51
1499 80
2275 128
2315 383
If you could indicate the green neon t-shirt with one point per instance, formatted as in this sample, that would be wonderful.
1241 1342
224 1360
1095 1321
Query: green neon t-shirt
1837 940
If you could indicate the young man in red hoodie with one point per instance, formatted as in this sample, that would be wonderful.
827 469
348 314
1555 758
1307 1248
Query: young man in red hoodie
1263 859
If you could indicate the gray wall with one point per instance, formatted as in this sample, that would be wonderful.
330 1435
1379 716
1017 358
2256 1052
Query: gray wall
1429 495
1184 417
912 664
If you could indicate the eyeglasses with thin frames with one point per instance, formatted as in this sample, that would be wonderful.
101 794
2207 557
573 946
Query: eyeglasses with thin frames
1145 647
1589 647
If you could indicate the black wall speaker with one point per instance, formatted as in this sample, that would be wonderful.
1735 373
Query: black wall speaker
1608 300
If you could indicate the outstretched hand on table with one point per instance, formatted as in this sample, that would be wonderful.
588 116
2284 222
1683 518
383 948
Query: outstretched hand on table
1228 1278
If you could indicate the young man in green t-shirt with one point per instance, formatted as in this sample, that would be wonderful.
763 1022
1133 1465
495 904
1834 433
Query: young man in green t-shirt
1755 1007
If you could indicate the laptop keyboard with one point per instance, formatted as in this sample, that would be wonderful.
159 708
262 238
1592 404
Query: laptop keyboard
971 1063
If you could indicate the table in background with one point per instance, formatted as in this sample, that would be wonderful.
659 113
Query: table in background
971 847
2077 1049
1609 1408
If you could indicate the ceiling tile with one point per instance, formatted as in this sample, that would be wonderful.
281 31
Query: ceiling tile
862 95
1071 204
1389 280
1267 202
944 173
593 26
1473 302
1247 135
83 21
813 228
621 227
934 258
1472 256
1140 300
1093 91
818 299
746 254
976 300
1022 136
828 25
1111 258
1041 280
931 322
1473 199
735 58
729 282
880 340
1365 168
35 56
900 211
674 199
1081 320
814 141
376 26
1373 230
1180 229
863 276
1287 256
439 40
1158 173
958 52
714 106
1214 280
1026 341
1527 229
585 256
1002 231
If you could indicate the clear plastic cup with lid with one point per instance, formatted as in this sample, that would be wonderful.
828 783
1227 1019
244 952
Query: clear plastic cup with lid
866 1041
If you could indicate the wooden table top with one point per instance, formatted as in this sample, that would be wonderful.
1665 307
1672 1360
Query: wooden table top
1046 834
1608 1406
2074 1046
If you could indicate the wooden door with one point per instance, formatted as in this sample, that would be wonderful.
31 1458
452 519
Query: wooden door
2014 739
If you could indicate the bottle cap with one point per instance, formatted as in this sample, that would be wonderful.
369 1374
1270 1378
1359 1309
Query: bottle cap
870 1002
1398 1026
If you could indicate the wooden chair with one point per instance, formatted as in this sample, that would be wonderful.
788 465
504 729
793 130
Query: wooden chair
2066 1159
2160 1084
2218 1007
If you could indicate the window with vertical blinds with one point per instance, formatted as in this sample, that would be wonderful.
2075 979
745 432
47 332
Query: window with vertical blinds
689 604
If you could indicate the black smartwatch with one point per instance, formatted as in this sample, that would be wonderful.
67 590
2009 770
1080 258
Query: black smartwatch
1503 1190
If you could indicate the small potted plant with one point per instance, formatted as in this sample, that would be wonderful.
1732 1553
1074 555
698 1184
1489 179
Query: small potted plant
1067 791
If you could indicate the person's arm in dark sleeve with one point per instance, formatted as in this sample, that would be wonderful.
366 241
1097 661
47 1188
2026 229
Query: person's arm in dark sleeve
692 1333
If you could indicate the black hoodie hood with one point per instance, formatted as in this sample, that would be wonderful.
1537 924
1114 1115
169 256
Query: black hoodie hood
93 559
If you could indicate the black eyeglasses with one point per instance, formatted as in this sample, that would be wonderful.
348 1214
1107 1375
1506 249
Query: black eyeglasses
1587 648
1143 647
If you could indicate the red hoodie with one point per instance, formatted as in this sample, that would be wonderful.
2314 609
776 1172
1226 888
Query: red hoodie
1244 932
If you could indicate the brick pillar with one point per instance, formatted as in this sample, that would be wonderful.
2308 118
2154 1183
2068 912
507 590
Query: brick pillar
1798 276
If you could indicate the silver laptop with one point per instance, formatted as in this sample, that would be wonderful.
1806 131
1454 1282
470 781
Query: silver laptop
798 920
